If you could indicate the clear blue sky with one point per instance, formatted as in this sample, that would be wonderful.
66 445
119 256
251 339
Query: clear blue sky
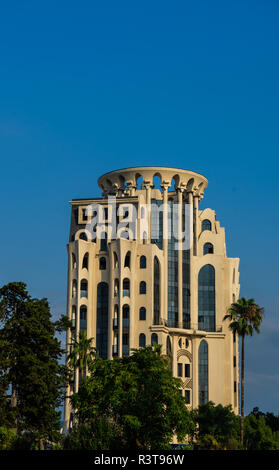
88 87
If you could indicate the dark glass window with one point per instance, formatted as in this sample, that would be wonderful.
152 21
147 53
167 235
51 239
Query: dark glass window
142 313
102 320
206 225
172 270
126 316
142 262
154 338
208 248
187 397
83 236
83 317
142 340
203 372
103 263
85 261
142 289
187 370
83 288
179 369
104 245
126 287
127 260
156 293
206 281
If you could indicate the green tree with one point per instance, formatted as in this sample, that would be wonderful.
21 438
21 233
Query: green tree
81 353
30 364
134 398
245 317
258 435
217 426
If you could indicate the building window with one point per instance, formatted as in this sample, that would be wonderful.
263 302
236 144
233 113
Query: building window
206 303
83 236
74 310
234 361
187 397
74 288
102 320
179 369
85 261
83 318
104 245
102 263
125 344
126 316
126 287
154 338
116 287
208 248
115 259
115 317
203 372
187 370
156 293
142 289
127 260
206 225
168 348
142 315
142 262
83 288
142 340
74 261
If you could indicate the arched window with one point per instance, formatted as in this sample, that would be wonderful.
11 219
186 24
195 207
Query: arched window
126 316
83 288
103 244
116 287
126 287
102 263
206 225
142 262
83 318
142 315
83 236
208 248
85 261
115 260
206 304
74 288
142 289
74 261
142 340
102 320
154 338
127 260
203 372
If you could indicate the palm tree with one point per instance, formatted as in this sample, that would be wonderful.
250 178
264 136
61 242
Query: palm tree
246 317
81 353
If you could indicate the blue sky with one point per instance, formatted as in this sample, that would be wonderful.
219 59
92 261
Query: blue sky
88 87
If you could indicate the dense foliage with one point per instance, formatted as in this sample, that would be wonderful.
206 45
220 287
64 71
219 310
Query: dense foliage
129 403
32 379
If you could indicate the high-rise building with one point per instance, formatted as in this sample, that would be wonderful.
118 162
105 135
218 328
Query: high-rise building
147 265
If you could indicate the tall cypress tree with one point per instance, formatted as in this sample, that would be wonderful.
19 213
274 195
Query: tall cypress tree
31 363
